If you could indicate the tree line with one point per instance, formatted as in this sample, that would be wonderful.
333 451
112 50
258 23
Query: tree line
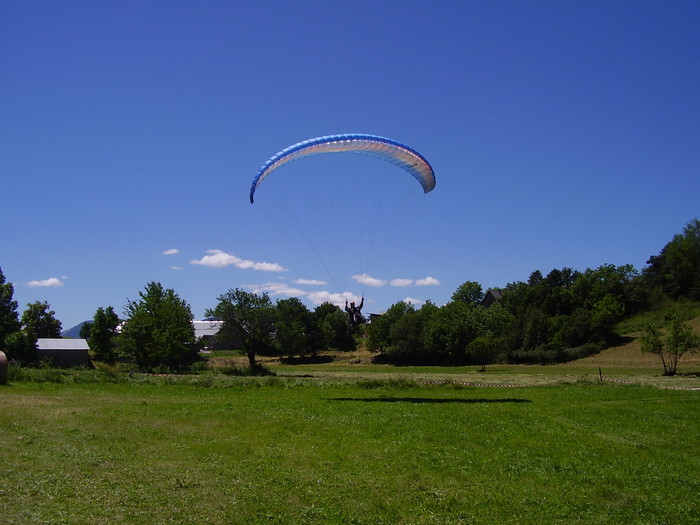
563 315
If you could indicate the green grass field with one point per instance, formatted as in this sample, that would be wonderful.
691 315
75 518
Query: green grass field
317 449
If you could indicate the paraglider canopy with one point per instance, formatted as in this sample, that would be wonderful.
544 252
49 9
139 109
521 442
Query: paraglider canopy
344 215
378 147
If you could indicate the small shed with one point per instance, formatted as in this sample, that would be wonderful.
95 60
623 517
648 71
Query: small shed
63 352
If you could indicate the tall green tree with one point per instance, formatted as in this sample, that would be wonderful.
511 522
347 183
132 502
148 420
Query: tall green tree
469 292
103 331
380 328
247 317
158 331
38 320
450 329
294 328
9 318
333 328
16 345
676 270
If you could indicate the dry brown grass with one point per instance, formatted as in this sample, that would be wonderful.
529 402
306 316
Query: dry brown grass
630 355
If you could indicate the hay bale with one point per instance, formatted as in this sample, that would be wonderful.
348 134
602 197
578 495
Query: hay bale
3 368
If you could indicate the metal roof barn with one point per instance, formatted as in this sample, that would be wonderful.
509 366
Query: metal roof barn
63 352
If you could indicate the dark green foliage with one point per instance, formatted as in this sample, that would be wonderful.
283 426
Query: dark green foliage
568 313
439 335
450 329
558 317
469 292
247 317
676 270
102 332
333 328
158 332
39 321
294 328
379 336
9 319
482 350
20 348
85 330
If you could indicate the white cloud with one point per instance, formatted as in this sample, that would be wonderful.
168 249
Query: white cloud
311 282
171 251
428 281
276 289
51 282
368 280
414 302
177 268
221 259
337 299
401 282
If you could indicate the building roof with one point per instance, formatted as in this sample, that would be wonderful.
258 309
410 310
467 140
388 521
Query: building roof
45 343
206 328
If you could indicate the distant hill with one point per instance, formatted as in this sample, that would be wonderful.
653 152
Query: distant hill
74 333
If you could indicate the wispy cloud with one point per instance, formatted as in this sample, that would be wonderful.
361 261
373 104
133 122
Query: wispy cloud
315 297
428 281
176 268
171 251
52 282
276 289
310 282
368 280
221 259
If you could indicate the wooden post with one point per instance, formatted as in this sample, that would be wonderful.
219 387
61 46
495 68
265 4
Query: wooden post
600 374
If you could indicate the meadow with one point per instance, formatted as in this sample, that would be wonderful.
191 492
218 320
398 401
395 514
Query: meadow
319 446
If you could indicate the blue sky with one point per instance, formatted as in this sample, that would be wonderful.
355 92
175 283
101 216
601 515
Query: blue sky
561 134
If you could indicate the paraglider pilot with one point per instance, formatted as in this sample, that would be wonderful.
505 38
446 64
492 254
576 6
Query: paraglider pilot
355 312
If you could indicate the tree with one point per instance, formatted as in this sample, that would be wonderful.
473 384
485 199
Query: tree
39 321
482 350
450 329
333 327
20 348
469 292
406 338
680 339
380 328
676 270
102 331
9 318
293 327
247 317
158 330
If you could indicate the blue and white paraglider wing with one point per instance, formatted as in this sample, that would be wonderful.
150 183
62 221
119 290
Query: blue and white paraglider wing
372 145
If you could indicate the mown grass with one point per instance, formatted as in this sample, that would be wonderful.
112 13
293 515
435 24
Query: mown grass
290 450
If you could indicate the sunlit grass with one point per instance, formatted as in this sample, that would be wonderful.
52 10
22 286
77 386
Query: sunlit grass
285 450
